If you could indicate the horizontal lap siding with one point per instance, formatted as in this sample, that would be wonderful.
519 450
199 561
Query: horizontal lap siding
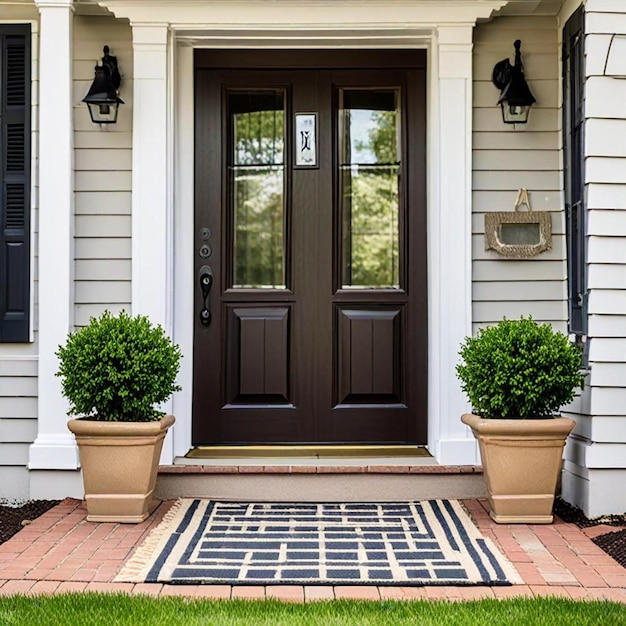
506 159
102 177
18 422
605 163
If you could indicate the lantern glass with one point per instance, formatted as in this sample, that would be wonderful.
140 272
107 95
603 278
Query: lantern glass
515 113
103 112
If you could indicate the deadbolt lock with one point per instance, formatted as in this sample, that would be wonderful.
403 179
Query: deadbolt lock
205 251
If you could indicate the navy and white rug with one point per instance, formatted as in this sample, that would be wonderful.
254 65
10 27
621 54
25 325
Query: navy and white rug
260 543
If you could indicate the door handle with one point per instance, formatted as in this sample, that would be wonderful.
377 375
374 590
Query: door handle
206 282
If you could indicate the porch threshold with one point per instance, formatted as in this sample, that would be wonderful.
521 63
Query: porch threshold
285 456
306 451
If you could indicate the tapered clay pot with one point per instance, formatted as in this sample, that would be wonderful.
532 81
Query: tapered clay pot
521 463
120 461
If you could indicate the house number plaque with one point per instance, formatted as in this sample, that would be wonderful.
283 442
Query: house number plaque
306 140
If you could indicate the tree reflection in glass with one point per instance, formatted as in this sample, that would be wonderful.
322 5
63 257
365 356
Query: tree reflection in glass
257 183
369 124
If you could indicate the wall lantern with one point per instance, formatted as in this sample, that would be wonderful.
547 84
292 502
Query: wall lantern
515 95
102 99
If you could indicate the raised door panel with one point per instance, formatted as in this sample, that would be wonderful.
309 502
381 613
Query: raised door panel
258 355
370 355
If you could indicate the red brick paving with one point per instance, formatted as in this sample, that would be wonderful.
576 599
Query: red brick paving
147 589
44 587
248 592
435 593
314 592
213 592
356 592
60 552
178 590
286 593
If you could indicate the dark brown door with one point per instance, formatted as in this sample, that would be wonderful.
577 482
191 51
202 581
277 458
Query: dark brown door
311 243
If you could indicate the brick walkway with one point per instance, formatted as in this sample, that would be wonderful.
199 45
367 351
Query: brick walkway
61 551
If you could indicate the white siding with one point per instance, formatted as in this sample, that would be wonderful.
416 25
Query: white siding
591 476
18 422
102 176
505 159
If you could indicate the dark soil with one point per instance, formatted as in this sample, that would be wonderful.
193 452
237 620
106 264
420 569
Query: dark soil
572 515
613 543
13 519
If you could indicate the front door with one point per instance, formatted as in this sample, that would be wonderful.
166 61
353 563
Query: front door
310 222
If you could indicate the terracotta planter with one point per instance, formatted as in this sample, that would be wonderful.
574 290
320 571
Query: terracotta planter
120 461
521 462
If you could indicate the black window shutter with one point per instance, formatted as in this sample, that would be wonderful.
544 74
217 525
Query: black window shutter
574 170
15 179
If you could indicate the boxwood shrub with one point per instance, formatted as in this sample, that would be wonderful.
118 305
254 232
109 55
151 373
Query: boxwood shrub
519 369
118 368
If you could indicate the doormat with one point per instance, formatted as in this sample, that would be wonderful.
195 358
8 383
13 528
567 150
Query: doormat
261 543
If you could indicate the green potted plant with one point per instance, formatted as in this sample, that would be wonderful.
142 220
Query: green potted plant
114 372
517 375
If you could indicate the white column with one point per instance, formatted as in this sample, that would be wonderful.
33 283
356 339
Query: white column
54 446
152 232
450 249
152 214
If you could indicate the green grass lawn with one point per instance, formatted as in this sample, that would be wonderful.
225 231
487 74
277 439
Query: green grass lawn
91 609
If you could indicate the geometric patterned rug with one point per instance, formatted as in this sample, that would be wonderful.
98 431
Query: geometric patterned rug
261 543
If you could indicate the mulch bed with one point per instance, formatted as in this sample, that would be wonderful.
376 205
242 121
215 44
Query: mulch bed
13 519
613 543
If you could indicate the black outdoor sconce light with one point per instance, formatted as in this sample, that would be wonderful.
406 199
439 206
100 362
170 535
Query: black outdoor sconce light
102 99
515 96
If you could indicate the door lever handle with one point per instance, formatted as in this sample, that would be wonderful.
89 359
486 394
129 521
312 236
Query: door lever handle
206 282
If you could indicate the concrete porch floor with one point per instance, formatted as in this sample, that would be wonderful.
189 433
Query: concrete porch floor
60 551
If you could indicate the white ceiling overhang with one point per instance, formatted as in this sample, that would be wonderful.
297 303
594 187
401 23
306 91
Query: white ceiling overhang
462 8
304 23
292 13
313 23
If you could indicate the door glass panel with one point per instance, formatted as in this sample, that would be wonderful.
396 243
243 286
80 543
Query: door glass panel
257 187
369 178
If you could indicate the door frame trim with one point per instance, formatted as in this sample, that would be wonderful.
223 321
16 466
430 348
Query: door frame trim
449 139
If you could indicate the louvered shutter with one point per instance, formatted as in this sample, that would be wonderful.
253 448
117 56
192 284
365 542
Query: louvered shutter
15 178
574 169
